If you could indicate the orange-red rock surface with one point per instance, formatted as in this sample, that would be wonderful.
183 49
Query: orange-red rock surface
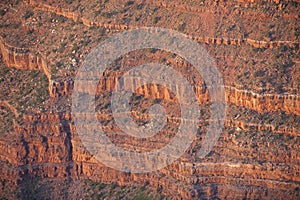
258 153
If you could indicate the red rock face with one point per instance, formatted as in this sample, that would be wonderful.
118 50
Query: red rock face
249 99
256 157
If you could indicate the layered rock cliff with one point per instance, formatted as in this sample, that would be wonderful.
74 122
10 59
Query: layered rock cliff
257 155
23 59
77 17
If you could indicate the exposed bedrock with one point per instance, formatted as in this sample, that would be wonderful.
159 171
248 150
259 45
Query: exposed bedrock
228 41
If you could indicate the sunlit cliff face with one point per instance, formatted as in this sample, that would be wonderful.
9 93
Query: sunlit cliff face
255 46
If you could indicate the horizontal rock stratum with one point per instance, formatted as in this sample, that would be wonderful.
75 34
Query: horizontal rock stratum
255 45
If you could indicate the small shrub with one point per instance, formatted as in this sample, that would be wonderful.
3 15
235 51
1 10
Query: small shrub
59 63
156 101
69 1
30 31
297 31
108 14
28 13
156 19
181 27
2 12
128 3
259 73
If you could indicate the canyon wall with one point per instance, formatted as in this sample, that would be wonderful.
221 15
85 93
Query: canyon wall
23 59
47 145
218 41
250 160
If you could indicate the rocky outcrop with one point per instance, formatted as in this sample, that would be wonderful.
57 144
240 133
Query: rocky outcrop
232 123
224 41
47 145
250 160
172 5
75 16
248 99
263 102
22 58
60 87
262 127
10 107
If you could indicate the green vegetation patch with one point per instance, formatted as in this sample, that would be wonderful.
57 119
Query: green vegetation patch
24 90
